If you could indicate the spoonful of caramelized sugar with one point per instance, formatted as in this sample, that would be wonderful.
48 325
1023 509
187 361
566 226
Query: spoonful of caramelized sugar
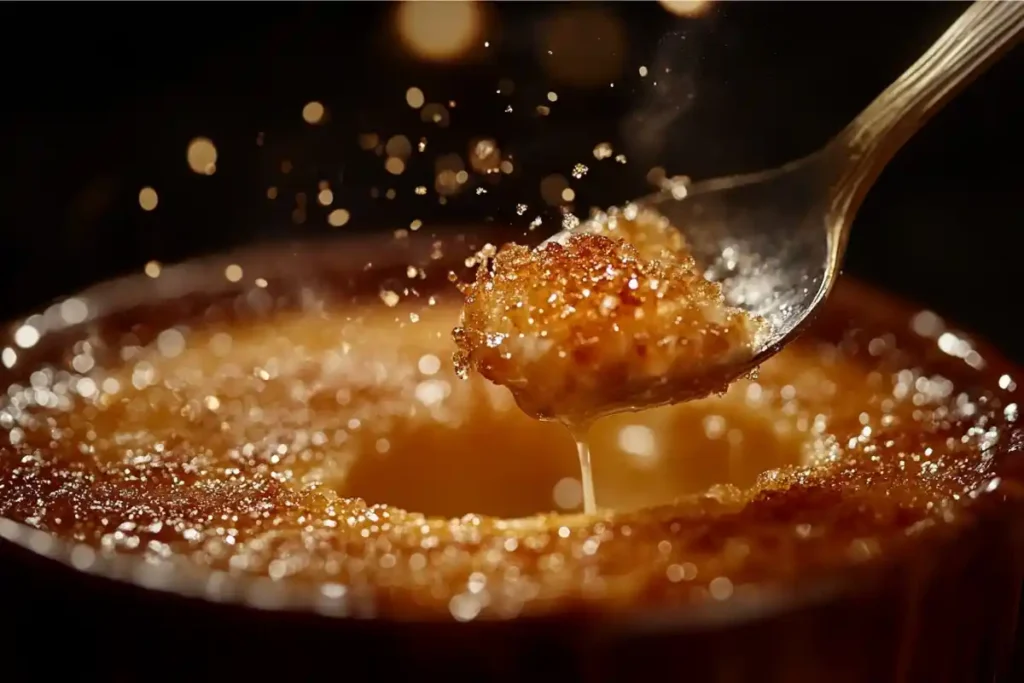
626 312
619 318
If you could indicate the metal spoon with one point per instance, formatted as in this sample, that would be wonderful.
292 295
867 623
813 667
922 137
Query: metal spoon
776 239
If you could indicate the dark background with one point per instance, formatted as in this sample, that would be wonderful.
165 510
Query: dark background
102 99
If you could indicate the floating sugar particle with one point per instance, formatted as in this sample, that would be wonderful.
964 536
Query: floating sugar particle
325 197
643 71
416 225
421 190
579 170
233 273
568 194
389 298
484 155
621 158
153 269
602 151
570 221
552 97
521 209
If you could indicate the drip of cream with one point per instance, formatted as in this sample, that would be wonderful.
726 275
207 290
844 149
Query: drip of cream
580 435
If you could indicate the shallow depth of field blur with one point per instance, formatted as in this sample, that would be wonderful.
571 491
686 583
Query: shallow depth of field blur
291 122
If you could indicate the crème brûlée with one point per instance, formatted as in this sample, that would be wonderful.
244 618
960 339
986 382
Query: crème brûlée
615 318
301 434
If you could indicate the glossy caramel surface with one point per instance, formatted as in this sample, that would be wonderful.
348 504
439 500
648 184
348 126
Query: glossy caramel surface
330 443
597 325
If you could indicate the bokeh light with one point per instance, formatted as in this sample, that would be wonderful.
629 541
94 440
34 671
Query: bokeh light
686 8
202 156
439 31
338 218
313 113
148 199
582 46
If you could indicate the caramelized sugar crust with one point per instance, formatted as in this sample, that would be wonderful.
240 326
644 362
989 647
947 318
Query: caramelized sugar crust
593 327
241 445
647 230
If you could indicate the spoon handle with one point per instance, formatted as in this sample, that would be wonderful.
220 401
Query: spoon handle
986 31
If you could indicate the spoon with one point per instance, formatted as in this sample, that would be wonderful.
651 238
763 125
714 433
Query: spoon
776 239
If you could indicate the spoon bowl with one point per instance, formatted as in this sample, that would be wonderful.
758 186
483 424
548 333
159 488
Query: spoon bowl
766 239
775 239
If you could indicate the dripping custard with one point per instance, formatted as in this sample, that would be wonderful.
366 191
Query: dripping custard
614 317
307 430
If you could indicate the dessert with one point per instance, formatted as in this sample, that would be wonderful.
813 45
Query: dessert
293 431
614 317
618 317
297 439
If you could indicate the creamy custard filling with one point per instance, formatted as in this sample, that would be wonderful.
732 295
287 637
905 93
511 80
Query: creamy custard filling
332 444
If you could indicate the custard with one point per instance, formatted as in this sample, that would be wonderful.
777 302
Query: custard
595 325
303 437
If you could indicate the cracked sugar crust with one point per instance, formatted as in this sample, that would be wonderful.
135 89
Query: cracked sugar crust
239 449
592 327
651 233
